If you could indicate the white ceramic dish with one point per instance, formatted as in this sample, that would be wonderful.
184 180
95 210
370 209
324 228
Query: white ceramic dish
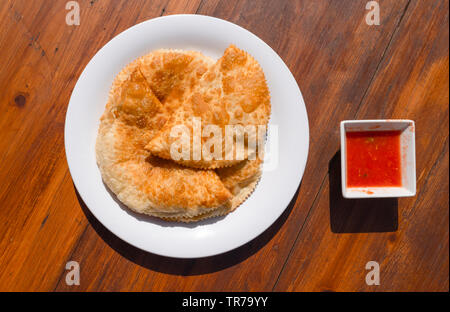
407 154
210 237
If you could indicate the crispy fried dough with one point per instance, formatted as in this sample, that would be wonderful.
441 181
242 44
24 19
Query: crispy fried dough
167 87
144 183
172 74
233 91
241 179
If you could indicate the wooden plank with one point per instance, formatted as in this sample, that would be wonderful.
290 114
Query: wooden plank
410 241
42 60
32 165
334 55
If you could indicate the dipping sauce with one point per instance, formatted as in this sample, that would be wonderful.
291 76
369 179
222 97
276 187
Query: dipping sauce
373 159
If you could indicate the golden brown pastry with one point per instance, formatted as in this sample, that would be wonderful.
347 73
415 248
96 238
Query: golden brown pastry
144 183
172 74
233 91
241 179
168 87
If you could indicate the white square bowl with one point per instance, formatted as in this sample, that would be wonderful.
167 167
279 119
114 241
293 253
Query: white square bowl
407 158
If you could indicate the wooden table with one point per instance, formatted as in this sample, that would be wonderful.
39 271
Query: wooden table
345 68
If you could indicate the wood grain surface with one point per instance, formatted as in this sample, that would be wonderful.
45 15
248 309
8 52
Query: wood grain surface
345 68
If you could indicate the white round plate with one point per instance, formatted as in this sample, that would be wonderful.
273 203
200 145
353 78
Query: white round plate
209 237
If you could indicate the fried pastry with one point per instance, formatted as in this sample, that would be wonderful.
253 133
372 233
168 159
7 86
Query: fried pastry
241 180
144 183
233 91
167 88
172 74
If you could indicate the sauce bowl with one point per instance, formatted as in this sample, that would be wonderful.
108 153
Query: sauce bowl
407 158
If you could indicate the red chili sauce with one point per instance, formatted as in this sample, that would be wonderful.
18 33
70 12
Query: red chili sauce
373 159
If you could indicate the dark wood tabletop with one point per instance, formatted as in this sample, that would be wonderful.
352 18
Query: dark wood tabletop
346 69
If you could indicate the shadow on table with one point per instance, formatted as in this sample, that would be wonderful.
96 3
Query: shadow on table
186 267
358 215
